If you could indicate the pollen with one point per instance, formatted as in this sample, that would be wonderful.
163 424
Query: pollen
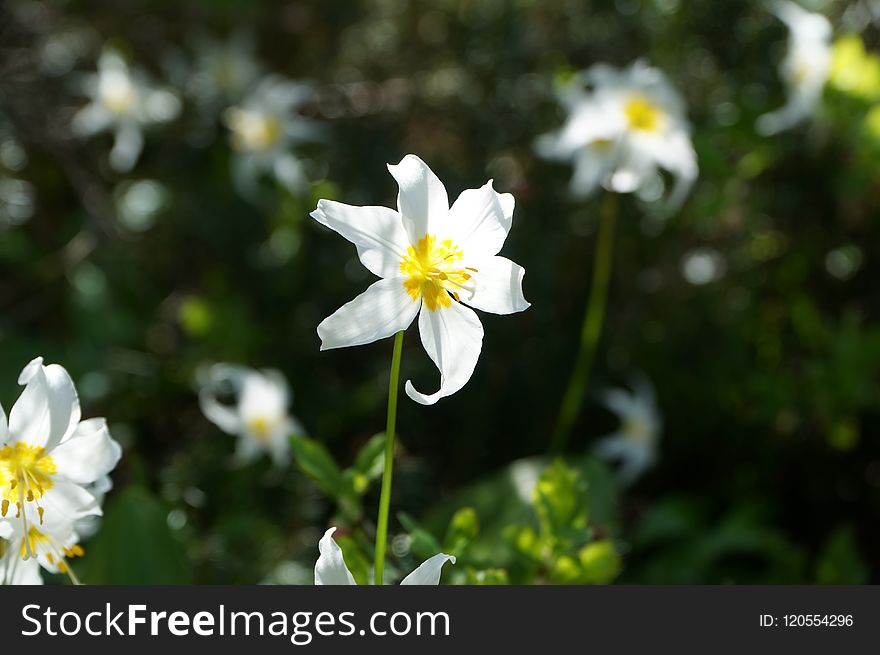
261 427
434 273
642 114
25 475
253 131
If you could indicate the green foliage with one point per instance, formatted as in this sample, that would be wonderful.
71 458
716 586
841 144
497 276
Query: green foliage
135 545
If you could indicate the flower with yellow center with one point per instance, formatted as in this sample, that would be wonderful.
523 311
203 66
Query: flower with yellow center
123 102
50 460
805 69
52 465
433 260
264 126
622 127
634 445
259 412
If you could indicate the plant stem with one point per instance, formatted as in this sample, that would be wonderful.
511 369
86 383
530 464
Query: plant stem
591 328
385 497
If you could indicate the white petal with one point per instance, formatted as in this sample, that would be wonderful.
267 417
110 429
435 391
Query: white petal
289 172
330 569
428 573
64 503
453 338
477 222
619 401
222 378
382 310
127 146
91 119
89 454
16 571
377 233
497 287
422 200
591 169
48 409
4 427
247 449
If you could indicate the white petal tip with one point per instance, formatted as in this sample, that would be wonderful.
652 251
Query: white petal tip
419 397
28 371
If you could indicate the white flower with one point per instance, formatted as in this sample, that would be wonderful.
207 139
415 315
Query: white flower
122 101
260 415
432 258
50 544
264 127
635 442
330 569
805 68
224 70
622 126
51 464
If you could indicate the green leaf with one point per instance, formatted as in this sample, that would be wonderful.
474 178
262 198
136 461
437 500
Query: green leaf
135 545
370 460
355 559
600 563
317 463
423 544
559 499
463 528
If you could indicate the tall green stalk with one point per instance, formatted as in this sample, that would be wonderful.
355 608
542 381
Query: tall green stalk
385 497
591 328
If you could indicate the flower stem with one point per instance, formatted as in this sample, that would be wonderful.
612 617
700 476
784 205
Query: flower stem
385 497
591 328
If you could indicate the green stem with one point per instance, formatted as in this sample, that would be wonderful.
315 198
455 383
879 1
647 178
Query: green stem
591 328
385 498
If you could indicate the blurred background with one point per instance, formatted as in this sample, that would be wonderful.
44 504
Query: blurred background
753 310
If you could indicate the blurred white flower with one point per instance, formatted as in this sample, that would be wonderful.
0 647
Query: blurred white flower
124 102
53 471
259 417
223 70
16 201
432 258
635 442
805 68
330 569
263 128
622 126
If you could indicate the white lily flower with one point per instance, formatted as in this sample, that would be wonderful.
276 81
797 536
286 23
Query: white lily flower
224 70
124 102
330 569
260 416
622 126
432 259
49 458
635 442
264 127
805 68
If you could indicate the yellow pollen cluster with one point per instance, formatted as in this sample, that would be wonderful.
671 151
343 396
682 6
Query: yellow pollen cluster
253 131
261 427
25 475
642 114
432 272
40 542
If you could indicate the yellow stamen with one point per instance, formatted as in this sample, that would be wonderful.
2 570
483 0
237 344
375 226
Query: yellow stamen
253 131
431 272
642 114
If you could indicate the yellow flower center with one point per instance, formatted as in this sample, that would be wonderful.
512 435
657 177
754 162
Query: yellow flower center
117 93
25 475
638 430
433 273
261 427
253 131
38 542
642 114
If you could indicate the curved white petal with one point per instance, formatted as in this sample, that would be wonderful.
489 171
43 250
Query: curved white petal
127 146
16 571
428 573
422 199
497 287
380 311
477 222
330 569
64 504
4 427
48 409
377 233
223 416
91 119
89 454
453 339
591 168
